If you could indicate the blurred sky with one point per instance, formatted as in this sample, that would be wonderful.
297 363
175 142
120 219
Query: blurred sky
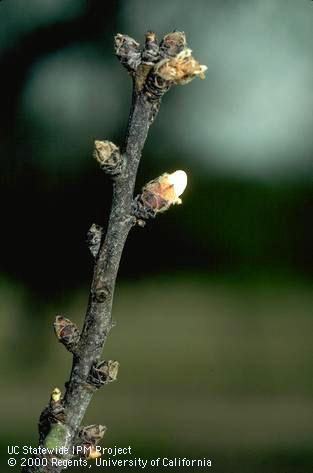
251 116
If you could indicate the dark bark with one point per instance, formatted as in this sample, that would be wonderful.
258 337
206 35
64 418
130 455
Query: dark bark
98 319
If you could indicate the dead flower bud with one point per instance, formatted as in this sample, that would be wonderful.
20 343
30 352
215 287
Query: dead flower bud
66 332
103 373
108 155
164 191
128 51
150 53
109 370
181 69
92 433
94 237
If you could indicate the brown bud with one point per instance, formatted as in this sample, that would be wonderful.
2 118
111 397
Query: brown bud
103 373
150 53
92 433
66 332
172 44
94 237
108 155
113 367
128 51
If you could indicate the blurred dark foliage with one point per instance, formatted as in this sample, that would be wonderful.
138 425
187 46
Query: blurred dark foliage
96 21
225 225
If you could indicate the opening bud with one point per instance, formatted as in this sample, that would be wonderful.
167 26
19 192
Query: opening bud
164 191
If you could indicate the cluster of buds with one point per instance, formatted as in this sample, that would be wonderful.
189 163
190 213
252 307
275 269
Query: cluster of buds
157 67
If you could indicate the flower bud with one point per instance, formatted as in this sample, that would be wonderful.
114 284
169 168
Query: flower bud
66 332
164 191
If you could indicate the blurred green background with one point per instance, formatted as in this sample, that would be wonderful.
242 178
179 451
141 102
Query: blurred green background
214 298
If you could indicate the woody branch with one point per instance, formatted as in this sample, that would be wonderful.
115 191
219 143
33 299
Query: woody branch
154 69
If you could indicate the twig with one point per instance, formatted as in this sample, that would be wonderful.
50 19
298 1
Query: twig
154 69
